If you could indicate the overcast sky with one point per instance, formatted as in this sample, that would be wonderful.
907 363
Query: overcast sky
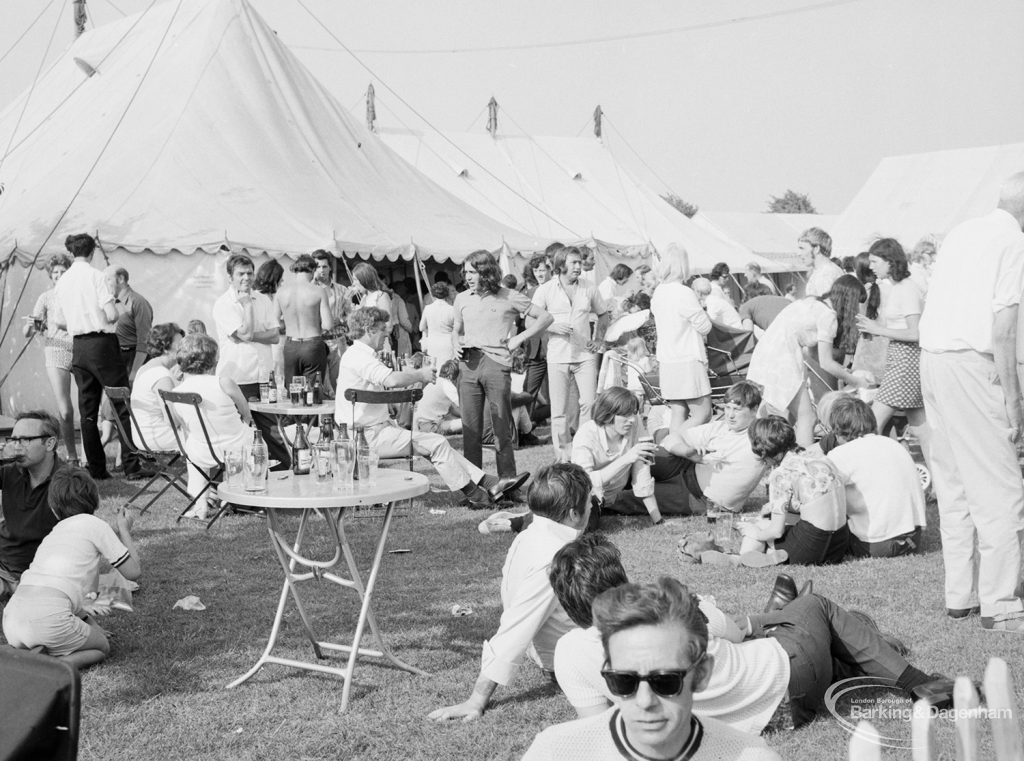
727 102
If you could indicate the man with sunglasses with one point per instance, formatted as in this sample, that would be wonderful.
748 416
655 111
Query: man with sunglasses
24 486
655 642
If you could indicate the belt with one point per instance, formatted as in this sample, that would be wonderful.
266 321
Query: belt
92 334
303 340
128 348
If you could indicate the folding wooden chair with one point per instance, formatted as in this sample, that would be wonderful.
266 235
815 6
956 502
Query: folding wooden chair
163 459
396 396
195 401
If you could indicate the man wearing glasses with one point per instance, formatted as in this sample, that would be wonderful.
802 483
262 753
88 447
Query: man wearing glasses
655 644
31 457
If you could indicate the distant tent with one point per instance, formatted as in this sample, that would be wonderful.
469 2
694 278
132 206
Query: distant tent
772 236
571 189
909 197
191 129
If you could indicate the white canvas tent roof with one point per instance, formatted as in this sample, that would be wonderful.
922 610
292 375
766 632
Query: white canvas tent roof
772 236
201 128
908 197
571 189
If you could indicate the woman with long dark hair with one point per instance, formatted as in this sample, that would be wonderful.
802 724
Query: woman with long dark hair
902 304
828 327
483 339
266 281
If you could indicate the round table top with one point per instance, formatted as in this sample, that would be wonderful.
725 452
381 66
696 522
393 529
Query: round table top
287 408
285 490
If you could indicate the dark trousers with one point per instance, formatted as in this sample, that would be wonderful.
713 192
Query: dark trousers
807 544
484 381
128 358
96 362
535 384
306 358
266 425
825 644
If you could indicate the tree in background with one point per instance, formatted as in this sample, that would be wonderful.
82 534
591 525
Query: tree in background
791 202
683 207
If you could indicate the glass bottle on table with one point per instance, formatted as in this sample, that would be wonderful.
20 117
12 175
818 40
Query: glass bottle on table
362 455
273 388
318 389
302 454
256 464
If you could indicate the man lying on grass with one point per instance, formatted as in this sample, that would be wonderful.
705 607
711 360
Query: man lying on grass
802 643
532 620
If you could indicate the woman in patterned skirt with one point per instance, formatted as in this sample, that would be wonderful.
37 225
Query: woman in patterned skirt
57 351
902 302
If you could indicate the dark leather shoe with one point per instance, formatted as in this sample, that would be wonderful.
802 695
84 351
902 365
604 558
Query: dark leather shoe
783 593
507 485
937 693
138 473
960 614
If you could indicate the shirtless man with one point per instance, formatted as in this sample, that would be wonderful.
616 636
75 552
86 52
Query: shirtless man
305 312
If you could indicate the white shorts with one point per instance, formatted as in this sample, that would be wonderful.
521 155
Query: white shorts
684 380
31 620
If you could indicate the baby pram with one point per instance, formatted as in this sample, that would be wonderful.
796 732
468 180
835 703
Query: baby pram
729 351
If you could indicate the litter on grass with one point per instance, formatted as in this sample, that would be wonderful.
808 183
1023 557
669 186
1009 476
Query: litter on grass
435 511
191 602
461 610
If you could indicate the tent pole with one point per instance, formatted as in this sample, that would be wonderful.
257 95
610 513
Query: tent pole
416 274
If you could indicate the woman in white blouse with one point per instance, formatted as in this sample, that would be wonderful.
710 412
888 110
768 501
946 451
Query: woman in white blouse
682 325
436 325
159 373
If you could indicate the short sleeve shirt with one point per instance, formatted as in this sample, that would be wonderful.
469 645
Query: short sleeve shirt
573 306
978 272
82 293
489 320
245 362
134 324
27 517
69 554
361 369
762 310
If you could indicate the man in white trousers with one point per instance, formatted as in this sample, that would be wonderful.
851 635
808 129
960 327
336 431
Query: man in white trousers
972 396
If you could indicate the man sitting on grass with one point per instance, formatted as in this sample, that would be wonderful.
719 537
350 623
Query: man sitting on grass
654 642
884 501
26 518
532 621
715 459
803 643
47 610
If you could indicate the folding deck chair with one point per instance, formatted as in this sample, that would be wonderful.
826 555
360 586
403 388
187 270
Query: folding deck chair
163 459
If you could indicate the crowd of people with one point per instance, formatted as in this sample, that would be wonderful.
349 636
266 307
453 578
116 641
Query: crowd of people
653 670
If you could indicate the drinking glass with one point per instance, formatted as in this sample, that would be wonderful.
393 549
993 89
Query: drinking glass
322 460
363 464
233 461
343 465
725 534
372 461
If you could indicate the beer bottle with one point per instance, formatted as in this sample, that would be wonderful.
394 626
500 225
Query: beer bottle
302 454
273 388
318 389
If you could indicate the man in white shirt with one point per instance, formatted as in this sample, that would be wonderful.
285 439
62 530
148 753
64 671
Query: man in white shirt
972 396
361 369
715 459
718 304
246 327
572 354
815 249
884 501
532 621
91 318
752 661
655 644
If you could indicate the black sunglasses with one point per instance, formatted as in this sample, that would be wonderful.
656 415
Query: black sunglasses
667 683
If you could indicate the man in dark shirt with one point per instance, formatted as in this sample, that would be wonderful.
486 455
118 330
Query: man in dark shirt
761 308
134 320
25 484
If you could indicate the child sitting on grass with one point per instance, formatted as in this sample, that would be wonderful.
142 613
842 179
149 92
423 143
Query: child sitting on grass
47 608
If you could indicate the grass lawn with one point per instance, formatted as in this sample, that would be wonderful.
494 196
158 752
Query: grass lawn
161 694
